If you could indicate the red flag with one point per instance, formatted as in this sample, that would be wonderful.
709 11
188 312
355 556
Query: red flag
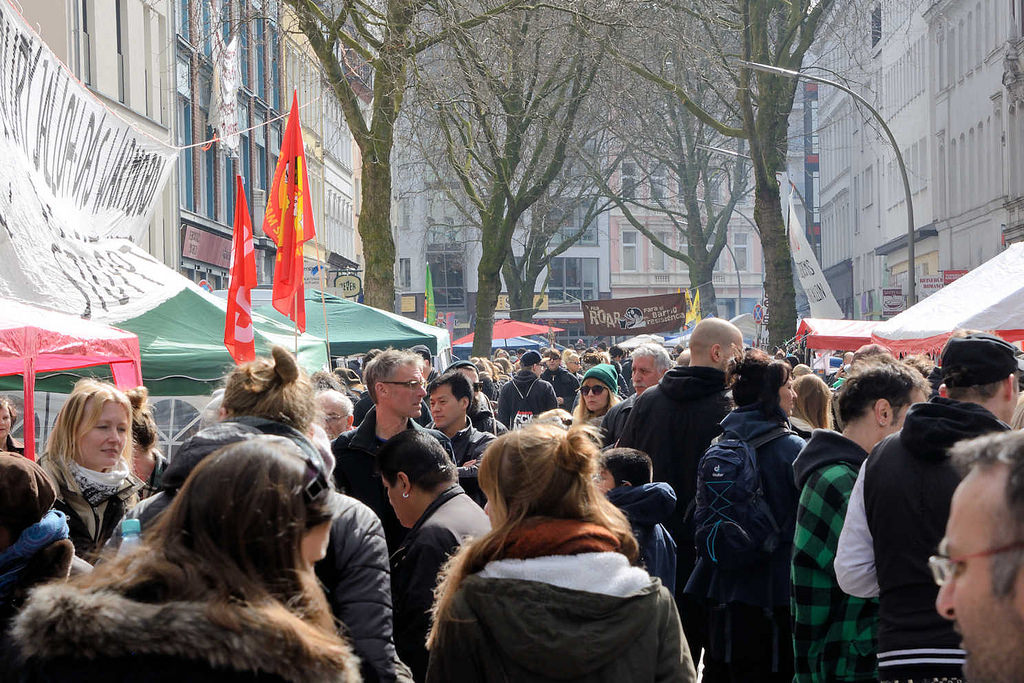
289 220
238 332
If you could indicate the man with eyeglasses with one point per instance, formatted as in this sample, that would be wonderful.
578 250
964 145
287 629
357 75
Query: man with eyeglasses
335 412
900 502
647 364
394 380
978 566
674 421
561 380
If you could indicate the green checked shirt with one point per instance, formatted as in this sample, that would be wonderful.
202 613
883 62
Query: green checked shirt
834 634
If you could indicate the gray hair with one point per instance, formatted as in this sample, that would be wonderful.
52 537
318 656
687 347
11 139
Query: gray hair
662 361
346 403
384 365
984 453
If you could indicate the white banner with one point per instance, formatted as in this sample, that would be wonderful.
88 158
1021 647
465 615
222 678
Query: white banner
226 79
819 294
76 179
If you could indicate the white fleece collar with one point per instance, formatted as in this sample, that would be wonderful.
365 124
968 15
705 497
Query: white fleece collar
606 573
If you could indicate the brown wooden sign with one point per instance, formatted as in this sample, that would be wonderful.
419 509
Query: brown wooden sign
637 315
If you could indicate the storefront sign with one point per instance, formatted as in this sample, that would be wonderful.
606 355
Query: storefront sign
200 245
637 315
950 276
892 301
540 302
349 286
928 285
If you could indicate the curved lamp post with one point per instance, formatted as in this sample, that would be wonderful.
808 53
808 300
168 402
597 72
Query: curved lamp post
911 258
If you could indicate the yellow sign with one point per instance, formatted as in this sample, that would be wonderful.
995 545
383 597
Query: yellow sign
539 300
408 304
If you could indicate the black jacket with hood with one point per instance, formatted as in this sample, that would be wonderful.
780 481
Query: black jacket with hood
524 398
614 421
482 417
673 423
69 634
564 383
356 471
908 485
646 506
825 447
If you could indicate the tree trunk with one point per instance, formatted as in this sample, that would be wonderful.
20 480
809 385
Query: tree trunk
375 232
778 280
520 302
702 279
488 288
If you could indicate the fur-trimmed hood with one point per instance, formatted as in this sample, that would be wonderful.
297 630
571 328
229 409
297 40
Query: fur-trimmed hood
66 621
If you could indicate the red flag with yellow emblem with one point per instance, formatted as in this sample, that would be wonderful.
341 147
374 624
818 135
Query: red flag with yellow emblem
288 220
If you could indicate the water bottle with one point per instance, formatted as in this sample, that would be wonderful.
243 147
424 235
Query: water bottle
131 535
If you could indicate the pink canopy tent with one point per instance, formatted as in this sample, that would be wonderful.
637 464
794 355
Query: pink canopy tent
35 340
836 335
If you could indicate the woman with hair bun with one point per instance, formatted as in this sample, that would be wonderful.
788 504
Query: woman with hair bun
148 463
749 630
552 591
88 456
221 590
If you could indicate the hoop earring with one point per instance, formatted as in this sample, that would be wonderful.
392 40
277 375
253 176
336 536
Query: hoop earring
405 495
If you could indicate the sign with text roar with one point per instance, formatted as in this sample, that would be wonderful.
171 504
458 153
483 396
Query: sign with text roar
637 315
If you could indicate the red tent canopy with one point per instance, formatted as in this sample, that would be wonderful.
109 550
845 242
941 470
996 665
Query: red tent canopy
506 329
36 340
836 335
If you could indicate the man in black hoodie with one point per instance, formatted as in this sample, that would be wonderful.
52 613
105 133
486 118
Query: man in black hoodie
527 395
561 380
900 502
674 423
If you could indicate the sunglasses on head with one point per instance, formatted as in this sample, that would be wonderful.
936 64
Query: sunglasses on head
596 390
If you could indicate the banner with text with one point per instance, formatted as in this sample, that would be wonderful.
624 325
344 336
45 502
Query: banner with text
79 183
637 315
819 294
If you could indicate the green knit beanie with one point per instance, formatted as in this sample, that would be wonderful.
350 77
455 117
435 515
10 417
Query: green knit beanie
605 374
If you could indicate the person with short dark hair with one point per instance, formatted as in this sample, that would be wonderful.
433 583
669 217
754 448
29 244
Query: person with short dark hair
623 365
526 395
450 396
422 486
978 562
625 477
900 502
479 413
562 381
834 633
428 360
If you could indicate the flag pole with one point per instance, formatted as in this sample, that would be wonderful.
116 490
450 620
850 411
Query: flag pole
295 311
323 297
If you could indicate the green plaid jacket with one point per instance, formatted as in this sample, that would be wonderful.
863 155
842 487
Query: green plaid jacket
834 634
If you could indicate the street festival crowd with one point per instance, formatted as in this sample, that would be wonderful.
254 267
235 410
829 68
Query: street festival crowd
585 515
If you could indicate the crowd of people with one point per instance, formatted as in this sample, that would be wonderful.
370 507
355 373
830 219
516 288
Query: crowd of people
590 514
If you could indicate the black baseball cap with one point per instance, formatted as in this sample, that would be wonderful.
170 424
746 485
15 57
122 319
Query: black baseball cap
978 359
422 350
460 364
529 359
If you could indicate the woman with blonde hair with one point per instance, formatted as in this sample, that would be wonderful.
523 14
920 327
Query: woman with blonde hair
812 408
89 456
598 393
552 591
8 416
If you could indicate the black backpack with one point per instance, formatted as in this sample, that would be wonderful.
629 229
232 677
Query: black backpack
734 527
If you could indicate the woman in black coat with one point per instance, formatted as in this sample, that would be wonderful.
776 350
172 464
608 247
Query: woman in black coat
422 485
222 589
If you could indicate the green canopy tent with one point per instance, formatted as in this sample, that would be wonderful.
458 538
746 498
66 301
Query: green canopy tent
352 328
182 346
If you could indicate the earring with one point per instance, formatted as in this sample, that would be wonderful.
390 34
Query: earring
405 495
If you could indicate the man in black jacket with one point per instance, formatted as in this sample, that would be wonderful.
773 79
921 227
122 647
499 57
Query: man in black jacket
527 395
899 506
648 364
561 380
674 422
479 412
450 396
394 380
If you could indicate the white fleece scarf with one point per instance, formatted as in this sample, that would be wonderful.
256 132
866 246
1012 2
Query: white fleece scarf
96 486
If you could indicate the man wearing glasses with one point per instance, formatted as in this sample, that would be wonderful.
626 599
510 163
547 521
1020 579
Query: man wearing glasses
335 412
979 560
900 503
394 380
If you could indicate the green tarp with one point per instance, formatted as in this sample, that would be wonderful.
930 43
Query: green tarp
353 328
182 347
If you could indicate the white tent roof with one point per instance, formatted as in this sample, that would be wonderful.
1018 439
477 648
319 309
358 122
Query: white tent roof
989 298
636 341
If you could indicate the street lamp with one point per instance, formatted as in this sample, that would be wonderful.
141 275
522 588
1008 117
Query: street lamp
767 68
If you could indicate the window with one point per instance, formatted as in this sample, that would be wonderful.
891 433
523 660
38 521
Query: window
658 257
572 279
260 41
258 136
629 241
446 273
571 214
184 15
83 43
739 250
628 180
405 274
243 42
658 183
207 158
120 39
876 25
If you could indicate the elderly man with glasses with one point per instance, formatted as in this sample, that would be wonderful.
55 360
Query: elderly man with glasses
335 412
394 380
978 567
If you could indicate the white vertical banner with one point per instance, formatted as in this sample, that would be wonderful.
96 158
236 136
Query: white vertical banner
819 294
226 80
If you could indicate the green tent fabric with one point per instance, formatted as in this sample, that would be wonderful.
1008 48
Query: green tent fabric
182 347
353 328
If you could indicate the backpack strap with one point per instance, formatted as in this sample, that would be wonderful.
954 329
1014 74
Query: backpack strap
769 436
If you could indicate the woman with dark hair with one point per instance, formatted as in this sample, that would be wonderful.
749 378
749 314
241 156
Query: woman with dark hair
148 463
222 588
422 485
552 591
8 416
748 624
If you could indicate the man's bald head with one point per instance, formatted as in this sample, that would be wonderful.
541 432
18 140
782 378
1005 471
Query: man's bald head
714 343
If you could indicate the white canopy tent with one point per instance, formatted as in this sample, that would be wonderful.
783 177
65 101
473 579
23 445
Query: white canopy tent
989 298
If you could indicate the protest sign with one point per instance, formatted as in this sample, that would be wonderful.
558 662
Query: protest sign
637 315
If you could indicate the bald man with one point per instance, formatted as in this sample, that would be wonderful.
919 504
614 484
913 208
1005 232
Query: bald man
674 422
